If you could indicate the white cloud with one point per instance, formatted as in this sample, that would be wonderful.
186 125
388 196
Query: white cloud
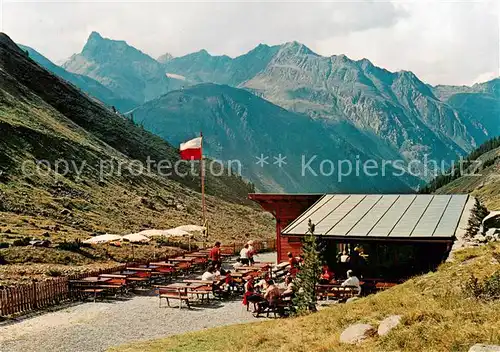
442 42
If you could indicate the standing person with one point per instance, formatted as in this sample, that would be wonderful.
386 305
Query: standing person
244 259
251 252
294 264
215 255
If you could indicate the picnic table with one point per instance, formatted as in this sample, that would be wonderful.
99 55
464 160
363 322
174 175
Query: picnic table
181 260
282 265
141 269
249 268
96 279
240 274
157 264
197 255
196 281
128 273
182 286
336 291
113 276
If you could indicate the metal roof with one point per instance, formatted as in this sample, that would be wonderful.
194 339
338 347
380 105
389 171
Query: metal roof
409 217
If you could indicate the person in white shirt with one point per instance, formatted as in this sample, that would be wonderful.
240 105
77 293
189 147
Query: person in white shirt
344 258
209 275
352 280
244 255
289 291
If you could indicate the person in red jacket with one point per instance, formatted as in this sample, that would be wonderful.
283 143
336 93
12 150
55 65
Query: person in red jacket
294 264
214 255
327 275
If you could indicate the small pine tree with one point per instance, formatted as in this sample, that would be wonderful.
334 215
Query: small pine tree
478 213
308 276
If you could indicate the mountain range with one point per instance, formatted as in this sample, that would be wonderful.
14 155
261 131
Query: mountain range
356 108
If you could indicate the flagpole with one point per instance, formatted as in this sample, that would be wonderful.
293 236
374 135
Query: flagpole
202 163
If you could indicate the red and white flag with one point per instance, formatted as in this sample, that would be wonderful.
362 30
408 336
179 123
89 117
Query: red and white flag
191 150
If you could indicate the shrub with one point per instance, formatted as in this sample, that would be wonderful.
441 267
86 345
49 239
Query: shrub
492 286
53 273
4 245
22 242
489 289
72 246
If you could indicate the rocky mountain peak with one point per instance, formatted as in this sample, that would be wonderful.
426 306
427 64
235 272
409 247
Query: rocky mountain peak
296 48
98 46
165 58
95 36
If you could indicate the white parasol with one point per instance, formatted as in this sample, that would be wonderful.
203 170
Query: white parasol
136 238
103 239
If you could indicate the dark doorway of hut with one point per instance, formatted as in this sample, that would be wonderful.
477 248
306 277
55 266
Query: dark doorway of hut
377 263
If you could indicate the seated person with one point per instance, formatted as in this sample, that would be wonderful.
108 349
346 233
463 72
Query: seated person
262 284
271 294
327 275
238 263
289 291
209 275
352 280
251 295
219 271
229 283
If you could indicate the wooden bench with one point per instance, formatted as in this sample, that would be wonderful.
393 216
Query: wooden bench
168 294
204 292
277 307
95 291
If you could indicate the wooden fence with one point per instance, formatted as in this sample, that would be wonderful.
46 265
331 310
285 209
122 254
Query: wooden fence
26 298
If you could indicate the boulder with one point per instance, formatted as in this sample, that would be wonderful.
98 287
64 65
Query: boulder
492 232
479 347
388 324
357 333
352 299
480 238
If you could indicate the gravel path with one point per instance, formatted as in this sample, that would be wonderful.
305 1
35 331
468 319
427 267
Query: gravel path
97 326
